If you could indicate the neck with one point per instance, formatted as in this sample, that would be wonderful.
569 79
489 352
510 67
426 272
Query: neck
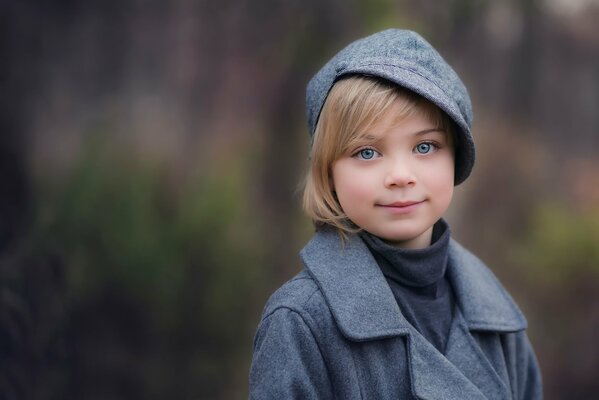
422 241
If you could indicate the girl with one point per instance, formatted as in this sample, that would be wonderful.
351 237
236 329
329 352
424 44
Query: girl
388 305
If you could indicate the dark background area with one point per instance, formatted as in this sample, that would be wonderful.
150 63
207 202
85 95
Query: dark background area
150 157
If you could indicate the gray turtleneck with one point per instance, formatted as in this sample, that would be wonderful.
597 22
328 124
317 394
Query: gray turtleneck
418 281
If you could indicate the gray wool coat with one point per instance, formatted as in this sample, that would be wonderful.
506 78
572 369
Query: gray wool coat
335 331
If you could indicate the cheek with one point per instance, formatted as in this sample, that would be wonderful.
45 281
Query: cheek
447 193
442 180
353 191
350 186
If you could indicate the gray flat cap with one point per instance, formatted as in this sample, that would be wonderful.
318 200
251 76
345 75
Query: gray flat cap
406 59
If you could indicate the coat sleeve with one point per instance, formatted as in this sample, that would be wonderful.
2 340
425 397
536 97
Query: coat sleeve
287 362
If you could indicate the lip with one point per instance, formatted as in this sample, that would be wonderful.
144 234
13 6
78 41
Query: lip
401 207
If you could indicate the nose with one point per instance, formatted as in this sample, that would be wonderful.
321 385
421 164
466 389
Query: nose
399 174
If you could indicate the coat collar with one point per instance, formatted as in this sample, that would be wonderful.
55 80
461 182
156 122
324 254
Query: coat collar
362 302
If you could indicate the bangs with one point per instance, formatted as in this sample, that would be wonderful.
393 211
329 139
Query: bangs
357 103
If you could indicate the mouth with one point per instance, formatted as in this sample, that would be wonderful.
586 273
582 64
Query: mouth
401 207
400 204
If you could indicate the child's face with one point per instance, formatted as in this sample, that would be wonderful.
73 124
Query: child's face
398 181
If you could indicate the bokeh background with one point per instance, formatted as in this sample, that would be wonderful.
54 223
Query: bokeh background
150 158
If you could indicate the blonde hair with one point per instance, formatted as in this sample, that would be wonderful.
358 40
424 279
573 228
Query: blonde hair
353 105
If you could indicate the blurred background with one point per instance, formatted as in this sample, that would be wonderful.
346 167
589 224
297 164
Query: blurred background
150 157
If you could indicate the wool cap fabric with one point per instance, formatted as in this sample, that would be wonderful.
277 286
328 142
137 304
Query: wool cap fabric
406 59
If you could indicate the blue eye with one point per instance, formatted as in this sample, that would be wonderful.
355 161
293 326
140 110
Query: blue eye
366 154
424 148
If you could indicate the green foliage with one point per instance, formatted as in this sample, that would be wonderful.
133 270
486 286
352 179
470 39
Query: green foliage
378 14
187 258
118 219
561 243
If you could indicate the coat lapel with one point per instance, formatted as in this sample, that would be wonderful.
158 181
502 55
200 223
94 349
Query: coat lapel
435 377
485 304
364 309
466 355
354 287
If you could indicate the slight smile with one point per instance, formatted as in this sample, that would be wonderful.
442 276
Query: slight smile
401 207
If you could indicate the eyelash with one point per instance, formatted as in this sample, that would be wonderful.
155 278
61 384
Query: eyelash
434 145
357 152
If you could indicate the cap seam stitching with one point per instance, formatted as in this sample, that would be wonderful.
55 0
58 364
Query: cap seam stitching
415 72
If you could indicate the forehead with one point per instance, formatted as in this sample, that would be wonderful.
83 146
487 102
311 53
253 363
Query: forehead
412 122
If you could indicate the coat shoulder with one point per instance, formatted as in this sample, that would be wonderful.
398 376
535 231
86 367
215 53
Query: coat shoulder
486 304
300 294
477 269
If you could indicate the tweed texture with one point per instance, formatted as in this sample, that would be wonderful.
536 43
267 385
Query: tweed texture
335 331
406 59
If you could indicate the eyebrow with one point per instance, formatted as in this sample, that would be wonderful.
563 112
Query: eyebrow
372 138
425 131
